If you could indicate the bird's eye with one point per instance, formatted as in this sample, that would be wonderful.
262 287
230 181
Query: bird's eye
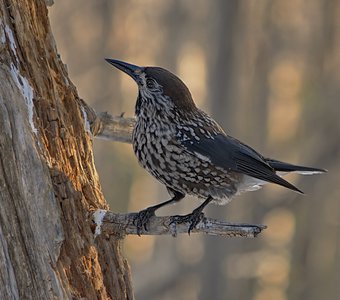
150 83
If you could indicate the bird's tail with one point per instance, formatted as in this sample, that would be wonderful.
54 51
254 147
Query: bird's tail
282 167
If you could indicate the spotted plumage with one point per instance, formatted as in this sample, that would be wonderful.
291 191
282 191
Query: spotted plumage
187 151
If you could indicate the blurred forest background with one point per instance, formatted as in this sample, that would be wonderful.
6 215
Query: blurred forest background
269 73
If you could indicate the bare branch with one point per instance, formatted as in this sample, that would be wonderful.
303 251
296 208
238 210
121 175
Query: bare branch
106 126
109 223
114 128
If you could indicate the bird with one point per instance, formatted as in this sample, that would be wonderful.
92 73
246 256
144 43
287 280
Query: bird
189 152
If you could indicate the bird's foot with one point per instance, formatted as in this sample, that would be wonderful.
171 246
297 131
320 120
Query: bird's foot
142 219
193 219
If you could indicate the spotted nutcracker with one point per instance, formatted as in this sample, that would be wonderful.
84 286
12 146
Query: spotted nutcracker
186 150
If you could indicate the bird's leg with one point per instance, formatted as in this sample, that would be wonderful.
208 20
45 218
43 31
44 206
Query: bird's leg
142 218
193 218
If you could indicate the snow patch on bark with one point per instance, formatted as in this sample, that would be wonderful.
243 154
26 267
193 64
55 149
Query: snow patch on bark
98 218
27 92
10 36
86 121
12 44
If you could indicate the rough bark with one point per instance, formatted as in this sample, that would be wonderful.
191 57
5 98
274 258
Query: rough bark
48 182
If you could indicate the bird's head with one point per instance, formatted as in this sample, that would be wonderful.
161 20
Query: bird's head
158 88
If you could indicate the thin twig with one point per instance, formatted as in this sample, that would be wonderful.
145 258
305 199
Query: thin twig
109 223
108 127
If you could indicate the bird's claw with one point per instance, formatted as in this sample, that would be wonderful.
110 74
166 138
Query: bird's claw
193 219
142 219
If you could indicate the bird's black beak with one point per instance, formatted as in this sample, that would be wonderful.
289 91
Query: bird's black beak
131 70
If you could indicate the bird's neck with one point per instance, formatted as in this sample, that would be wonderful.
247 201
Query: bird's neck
151 107
150 114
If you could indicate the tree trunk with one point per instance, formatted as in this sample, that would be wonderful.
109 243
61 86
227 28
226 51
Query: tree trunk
48 182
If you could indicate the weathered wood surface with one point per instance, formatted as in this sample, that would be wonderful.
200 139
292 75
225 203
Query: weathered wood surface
48 182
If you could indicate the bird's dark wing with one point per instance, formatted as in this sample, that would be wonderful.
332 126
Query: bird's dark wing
230 154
